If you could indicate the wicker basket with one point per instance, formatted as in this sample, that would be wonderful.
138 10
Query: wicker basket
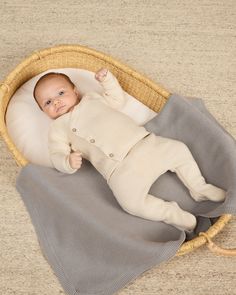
76 56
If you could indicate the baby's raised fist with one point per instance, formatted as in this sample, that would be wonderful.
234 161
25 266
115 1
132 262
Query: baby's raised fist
101 74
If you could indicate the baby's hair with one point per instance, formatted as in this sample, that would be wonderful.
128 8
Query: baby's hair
48 75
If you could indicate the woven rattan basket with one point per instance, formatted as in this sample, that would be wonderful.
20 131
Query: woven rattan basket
76 56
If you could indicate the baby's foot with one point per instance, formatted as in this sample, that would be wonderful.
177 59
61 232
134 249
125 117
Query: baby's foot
209 193
184 219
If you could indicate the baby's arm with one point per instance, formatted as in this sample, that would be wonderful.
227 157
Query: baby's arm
113 93
60 152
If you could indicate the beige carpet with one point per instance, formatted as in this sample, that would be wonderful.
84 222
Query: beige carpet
189 47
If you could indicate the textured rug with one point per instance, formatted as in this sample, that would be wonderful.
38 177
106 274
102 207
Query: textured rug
159 39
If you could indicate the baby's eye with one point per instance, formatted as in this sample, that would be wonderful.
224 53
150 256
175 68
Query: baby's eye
61 92
48 102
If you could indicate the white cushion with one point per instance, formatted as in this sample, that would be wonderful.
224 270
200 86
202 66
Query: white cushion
28 125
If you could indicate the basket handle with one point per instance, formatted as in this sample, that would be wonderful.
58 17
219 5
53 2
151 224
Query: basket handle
216 249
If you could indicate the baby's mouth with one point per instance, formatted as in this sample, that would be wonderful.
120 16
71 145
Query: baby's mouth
60 108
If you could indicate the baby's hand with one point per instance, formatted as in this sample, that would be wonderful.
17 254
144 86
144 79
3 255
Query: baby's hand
101 74
75 159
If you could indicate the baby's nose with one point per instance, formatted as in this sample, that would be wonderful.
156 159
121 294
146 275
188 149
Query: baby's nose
56 101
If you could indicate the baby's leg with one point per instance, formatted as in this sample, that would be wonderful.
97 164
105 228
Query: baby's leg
153 208
132 180
189 173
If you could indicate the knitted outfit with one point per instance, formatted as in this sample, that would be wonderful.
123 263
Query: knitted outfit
128 156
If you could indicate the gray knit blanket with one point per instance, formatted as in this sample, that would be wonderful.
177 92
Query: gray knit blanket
91 243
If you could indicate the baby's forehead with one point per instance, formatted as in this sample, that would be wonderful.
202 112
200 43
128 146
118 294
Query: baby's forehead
50 81
53 79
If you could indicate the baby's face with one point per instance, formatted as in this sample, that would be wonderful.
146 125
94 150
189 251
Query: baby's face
56 96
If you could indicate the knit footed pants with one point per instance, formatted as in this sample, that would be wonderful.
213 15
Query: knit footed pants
131 181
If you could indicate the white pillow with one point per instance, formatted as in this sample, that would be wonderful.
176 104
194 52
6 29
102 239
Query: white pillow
28 125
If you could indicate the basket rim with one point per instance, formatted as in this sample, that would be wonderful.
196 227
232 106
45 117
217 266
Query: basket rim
36 55
41 53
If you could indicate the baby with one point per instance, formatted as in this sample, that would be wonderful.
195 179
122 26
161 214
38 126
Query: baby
128 156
